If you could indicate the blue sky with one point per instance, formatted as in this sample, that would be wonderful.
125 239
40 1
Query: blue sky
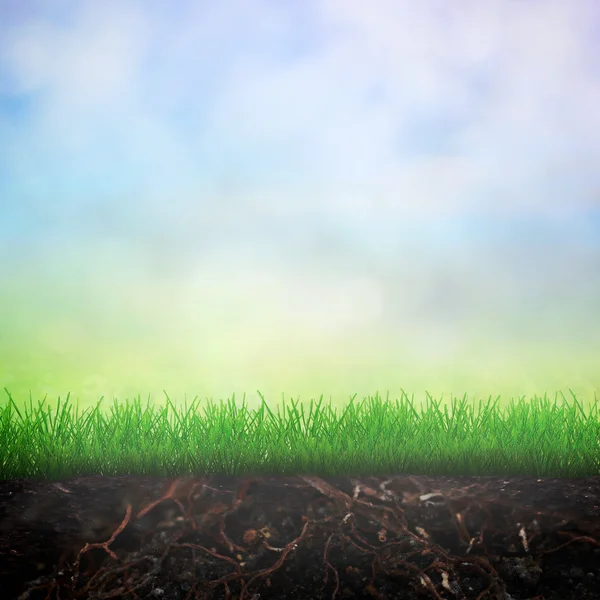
417 171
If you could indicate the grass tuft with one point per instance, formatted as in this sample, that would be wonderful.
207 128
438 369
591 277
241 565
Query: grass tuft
371 437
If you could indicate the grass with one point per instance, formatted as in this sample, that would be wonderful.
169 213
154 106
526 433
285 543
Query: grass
374 436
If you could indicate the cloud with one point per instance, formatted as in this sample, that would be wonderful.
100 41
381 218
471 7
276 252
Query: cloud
153 99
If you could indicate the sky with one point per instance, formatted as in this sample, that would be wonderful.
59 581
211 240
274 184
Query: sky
299 198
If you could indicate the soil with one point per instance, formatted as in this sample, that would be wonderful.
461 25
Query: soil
395 537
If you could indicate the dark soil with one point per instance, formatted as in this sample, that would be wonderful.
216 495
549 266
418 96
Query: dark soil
394 537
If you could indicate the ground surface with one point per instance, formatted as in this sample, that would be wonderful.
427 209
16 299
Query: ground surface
390 537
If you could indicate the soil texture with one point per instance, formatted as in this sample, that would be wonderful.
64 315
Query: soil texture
305 537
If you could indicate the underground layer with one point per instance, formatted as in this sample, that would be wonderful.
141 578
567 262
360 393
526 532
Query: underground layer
250 538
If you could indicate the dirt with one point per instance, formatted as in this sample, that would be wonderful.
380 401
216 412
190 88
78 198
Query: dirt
396 537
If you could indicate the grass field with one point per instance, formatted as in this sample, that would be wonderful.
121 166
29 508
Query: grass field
536 437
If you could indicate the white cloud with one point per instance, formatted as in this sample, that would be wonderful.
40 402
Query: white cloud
90 64
188 94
